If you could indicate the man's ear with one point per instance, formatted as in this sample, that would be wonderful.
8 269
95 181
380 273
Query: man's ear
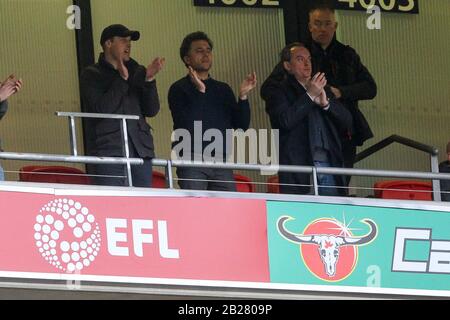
287 66
186 60
336 26
108 43
309 26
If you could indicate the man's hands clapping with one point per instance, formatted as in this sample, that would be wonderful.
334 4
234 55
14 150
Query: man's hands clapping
10 86
247 85
196 80
316 89
154 67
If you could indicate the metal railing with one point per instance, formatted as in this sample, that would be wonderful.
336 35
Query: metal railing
123 128
169 164
432 151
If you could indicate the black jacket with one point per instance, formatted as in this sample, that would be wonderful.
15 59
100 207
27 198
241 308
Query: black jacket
103 90
293 112
444 167
344 70
3 109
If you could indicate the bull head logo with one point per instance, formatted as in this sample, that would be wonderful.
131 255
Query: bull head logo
328 245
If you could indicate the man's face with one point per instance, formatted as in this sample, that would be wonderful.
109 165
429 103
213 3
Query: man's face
300 65
322 25
120 48
199 56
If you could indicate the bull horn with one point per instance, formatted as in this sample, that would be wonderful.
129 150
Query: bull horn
296 238
364 239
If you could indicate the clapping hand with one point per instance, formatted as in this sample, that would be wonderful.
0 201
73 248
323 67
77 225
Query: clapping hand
123 71
154 67
199 84
316 85
322 100
9 87
247 85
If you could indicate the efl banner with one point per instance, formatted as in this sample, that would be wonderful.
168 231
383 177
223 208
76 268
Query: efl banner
134 237
357 246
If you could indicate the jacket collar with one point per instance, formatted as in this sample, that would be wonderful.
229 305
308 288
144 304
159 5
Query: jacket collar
102 62
329 50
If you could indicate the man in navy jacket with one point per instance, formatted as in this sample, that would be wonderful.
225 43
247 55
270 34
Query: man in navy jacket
349 80
199 100
310 123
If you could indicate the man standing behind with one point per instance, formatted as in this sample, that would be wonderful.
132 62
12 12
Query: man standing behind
348 79
200 99
310 124
7 88
117 84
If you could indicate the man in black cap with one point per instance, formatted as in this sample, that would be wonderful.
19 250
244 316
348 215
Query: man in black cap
117 84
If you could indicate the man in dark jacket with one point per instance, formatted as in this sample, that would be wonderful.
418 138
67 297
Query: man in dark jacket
444 167
117 84
348 79
199 100
7 88
310 123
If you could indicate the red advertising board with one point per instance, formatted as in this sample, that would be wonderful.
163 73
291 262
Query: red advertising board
143 237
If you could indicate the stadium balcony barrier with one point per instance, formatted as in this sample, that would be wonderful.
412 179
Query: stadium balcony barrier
435 176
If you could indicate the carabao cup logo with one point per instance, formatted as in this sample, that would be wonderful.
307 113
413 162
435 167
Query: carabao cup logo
327 247
67 235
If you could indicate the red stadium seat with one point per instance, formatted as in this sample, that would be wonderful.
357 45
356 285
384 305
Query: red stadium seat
53 174
407 190
243 183
158 180
272 185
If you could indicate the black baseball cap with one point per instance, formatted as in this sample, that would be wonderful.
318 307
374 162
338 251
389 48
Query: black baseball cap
118 30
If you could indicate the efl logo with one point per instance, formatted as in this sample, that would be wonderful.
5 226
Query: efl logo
328 248
67 235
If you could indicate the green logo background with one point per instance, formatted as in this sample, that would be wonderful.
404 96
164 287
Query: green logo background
287 265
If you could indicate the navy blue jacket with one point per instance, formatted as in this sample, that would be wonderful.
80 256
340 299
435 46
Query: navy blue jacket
293 112
444 167
216 108
343 69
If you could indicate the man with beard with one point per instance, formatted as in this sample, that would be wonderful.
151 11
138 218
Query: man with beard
200 99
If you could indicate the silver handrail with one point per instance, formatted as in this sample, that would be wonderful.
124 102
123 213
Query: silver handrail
123 129
432 151
306 169
68 159
169 164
